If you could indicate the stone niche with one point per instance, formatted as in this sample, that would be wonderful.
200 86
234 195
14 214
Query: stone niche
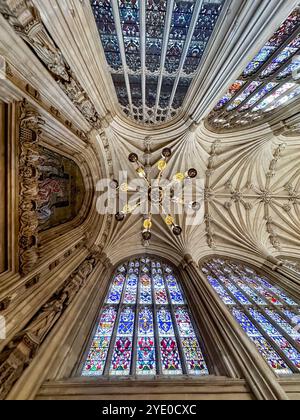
60 189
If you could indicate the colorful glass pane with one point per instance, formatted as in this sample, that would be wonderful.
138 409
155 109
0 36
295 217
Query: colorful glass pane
174 291
277 60
221 291
262 345
146 364
143 336
266 318
157 48
121 358
131 289
191 349
95 363
244 95
264 91
145 289
116 289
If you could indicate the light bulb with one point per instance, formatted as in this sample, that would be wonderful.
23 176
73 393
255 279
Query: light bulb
179 177
141 172
127 209
147 224
162 164
169 220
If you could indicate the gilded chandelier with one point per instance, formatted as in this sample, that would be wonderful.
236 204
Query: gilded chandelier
155 194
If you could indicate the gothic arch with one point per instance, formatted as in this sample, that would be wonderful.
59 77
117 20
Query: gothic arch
268 315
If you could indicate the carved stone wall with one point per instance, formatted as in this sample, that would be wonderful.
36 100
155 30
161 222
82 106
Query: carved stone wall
30 129
24 346
3 185
26 21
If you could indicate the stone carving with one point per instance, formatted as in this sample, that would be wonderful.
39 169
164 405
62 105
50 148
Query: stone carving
30 125
23 16
209 231
272 234
21 350
292 265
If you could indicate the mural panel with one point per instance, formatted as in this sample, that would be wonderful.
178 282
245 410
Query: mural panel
61 190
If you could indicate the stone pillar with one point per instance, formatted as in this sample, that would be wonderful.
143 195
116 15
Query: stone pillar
261 381
3 185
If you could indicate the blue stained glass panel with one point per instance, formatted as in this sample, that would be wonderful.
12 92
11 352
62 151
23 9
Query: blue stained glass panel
126 322
165 323
95 362
272 330
147 335
221 291
131 289
146 364
262 345
145 289
175 293
116 289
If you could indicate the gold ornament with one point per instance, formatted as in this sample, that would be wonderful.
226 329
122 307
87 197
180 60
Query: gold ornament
141 172
179 177
147 224
127 209
162 164
169 220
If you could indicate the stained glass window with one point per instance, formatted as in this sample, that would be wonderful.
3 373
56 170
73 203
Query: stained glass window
268 83
267 314
145 327
153 49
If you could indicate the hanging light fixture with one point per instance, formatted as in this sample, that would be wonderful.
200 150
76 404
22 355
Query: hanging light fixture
155 193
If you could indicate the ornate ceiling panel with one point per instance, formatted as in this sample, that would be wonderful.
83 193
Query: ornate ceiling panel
251 194
153 49
268 84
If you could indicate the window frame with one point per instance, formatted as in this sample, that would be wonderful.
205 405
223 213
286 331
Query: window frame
136 307
295 372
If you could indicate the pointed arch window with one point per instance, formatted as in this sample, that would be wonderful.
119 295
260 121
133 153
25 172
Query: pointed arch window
145 327
268 315
269 83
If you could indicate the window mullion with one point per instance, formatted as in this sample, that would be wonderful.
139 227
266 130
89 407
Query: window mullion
255 76
155 327
271 341
175 327
115 331
136 325
261 310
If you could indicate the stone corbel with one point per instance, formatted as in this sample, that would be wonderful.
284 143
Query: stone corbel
29 132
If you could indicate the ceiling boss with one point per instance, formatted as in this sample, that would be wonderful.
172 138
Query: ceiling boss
156 194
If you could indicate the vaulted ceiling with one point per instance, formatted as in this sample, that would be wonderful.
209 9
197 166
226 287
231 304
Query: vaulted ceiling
177 69
153 50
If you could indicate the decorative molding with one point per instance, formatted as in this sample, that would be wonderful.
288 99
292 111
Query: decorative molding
25 19
29 132
24 346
